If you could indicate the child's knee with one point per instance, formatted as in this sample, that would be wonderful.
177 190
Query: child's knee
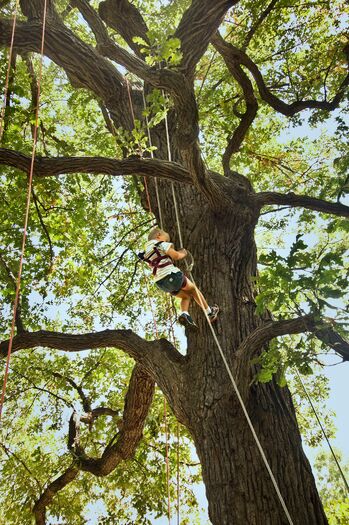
189 288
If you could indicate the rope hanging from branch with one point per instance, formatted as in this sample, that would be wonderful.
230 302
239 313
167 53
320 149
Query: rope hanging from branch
175 203
323 431
166 432
29 191
189 269
259 446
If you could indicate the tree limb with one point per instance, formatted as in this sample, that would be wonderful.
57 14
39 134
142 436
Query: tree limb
83 65
48 167
152 355
195 29
231 53
137 403
51 490
216 188
253 343
125 18
250 100
301 201
91 17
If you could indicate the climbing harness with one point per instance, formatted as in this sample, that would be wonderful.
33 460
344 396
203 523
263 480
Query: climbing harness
29 191
156 262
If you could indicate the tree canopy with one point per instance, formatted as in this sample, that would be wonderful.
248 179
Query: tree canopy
256 98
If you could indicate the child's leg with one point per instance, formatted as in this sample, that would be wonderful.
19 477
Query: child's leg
192 290
185 300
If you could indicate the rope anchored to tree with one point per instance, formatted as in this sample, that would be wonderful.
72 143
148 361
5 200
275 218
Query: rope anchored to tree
29 191
225 362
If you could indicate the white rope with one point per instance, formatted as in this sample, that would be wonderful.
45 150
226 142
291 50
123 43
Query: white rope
152 156
323 431
266 463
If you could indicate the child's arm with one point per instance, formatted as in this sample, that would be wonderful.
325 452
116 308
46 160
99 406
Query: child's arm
177 255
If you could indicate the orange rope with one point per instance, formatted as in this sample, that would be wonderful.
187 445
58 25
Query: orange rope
30 182
3 109
173 337
178 477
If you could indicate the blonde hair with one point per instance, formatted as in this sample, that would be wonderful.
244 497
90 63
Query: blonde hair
154 233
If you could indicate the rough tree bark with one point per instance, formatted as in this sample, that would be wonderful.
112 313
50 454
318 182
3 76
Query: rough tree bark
238 486
218 218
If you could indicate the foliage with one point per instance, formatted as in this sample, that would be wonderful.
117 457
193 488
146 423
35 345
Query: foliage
332 489
81 271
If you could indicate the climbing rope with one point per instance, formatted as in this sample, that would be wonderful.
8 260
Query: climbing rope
259 446
166 432
237 392
178 474
30 183
323 430
152 156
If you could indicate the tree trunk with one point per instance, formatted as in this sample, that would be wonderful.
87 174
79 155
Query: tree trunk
238 487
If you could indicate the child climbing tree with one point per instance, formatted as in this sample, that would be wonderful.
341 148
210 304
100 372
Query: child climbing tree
231 78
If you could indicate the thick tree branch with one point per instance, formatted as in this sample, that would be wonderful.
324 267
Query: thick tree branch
250 100
301 201
51 490
137 404
48 167
92 18
196 28
216 188
83 65
154 356
322 330
231 53
122 16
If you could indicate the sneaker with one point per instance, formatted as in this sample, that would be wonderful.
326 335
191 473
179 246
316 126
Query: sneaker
214 313
186 320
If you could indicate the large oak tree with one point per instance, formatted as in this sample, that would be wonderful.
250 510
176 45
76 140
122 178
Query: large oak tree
230 76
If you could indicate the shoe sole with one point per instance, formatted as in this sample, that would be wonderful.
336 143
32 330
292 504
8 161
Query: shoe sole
185 323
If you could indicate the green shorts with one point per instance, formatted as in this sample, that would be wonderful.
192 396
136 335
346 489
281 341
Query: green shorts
172 283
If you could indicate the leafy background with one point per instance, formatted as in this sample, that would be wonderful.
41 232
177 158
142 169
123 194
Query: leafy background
81 272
